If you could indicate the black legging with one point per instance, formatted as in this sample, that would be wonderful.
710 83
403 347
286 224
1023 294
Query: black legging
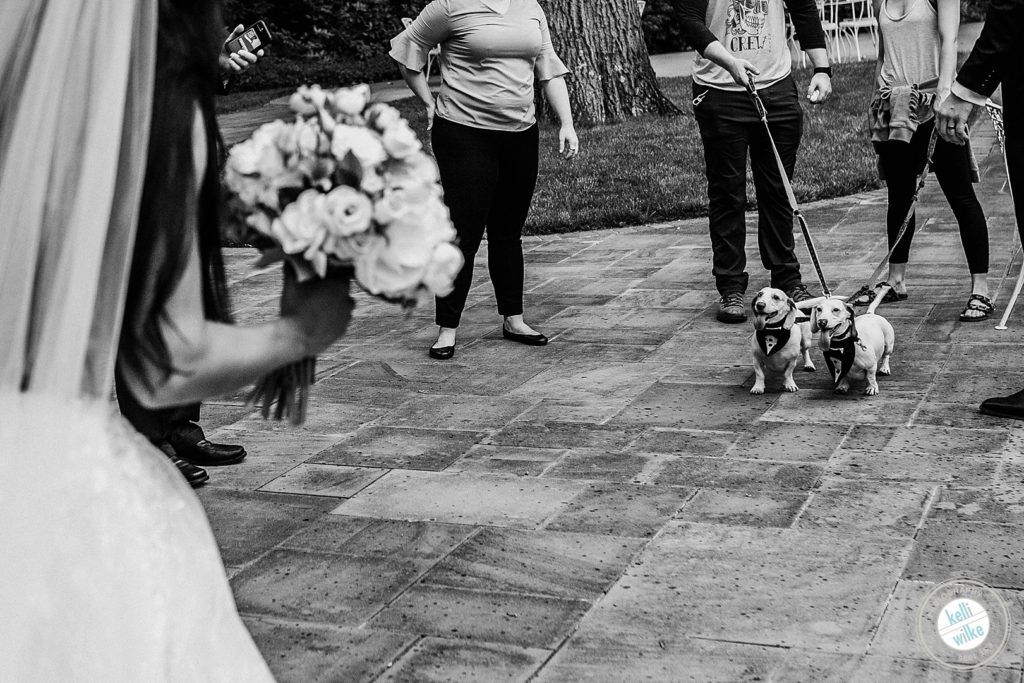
901 163
488 178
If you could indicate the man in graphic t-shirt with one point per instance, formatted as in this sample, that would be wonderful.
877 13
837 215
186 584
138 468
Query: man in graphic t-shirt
741 41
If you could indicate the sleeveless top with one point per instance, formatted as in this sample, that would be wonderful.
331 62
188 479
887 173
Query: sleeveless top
911 45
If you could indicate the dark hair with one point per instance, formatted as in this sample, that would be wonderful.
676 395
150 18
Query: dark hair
189 41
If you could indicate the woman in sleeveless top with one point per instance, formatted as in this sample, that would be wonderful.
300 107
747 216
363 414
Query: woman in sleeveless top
917 52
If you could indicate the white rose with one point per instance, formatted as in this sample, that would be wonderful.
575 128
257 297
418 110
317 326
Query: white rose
307 138
382 116
244 158
366 147
445 264
350 211
351 101
307 100
400 140
416 169
380 273
399 202
372 183
302 228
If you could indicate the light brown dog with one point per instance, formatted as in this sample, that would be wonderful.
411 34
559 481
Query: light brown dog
855 346
778 342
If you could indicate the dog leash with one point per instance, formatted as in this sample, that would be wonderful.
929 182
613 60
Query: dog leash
995 112
762 112
921 178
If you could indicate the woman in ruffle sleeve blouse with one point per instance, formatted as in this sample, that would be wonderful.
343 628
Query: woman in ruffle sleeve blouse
484 132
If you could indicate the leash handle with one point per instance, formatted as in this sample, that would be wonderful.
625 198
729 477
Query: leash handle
762 113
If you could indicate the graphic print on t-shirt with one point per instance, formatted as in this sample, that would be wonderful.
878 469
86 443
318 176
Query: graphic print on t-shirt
745 25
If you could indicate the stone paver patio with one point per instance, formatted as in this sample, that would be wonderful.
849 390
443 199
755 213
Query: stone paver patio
617 506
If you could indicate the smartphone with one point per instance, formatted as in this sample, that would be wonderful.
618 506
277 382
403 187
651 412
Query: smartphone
254 38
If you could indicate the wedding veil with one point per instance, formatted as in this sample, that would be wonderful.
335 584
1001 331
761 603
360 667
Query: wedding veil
76 80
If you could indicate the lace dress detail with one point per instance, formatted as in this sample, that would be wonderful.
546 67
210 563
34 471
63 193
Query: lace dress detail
110 569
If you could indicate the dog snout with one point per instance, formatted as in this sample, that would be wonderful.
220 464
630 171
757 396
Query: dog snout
760 306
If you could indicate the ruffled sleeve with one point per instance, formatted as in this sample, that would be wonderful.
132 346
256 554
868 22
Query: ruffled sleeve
548 65
431 28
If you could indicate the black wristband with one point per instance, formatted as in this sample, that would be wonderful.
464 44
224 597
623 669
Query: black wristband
827 70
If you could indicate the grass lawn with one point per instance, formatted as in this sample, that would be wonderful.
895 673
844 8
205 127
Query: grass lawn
651 169
240 101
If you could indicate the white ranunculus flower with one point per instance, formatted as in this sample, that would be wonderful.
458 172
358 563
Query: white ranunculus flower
415 170
351 101
445 264
400 140
350 211
244 158
307 138
366 146
398 202
372 183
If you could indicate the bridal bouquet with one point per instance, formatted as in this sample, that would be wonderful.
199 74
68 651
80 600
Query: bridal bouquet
344 190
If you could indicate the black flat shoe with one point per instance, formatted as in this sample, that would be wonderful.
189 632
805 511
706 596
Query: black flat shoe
210 454
1011 406
195 476
442 352
528 339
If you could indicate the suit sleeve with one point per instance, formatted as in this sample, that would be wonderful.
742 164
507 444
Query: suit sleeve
695 26
989 60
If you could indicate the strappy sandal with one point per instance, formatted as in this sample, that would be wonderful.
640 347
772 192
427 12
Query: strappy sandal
977 302
864 296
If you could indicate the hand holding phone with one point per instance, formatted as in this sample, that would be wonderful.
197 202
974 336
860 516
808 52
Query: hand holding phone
244 46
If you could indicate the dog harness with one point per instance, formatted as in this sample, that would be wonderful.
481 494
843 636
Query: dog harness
773 337
841 351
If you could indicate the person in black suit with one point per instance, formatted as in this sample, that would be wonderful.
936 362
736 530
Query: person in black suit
176 431
997 59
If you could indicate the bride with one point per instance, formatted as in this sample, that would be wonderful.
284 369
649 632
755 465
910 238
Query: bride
108 201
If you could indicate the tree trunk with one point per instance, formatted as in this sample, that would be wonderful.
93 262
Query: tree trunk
602 43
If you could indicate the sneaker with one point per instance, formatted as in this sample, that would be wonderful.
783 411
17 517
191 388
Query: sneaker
732 308
799 293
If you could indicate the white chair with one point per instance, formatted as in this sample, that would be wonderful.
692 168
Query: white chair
861 16
828 12
431 56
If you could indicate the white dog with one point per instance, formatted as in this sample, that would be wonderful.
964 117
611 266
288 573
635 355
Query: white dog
778 342
855 346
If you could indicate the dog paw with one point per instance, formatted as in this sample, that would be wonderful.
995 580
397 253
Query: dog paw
790 387
842 388
884 371
756 389
871 391
809 367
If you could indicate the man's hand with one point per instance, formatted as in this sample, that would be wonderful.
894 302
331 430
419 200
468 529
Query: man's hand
820 88
741 71
951 119
237 62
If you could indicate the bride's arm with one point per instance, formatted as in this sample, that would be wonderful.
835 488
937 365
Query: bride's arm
210 358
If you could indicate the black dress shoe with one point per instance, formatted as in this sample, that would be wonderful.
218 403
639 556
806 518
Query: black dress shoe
1011 406
528 339
210 454
442 352
195 476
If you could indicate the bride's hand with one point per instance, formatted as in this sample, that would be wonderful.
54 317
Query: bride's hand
320 309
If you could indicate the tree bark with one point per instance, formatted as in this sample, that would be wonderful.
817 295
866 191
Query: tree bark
602 43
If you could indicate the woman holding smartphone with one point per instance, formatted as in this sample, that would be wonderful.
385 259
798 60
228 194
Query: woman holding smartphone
485 137
917 47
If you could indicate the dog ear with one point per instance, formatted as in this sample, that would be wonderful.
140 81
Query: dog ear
807 304
791 316
853 319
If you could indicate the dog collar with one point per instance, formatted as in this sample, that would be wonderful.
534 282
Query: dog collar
772 338
840 355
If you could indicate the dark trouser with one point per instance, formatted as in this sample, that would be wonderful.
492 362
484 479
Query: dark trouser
901 164
729 126
162 425
488 178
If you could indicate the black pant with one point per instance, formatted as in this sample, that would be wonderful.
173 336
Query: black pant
729 127
161 425
901 164
488 178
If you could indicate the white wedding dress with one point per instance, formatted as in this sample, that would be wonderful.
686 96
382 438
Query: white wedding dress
108 568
